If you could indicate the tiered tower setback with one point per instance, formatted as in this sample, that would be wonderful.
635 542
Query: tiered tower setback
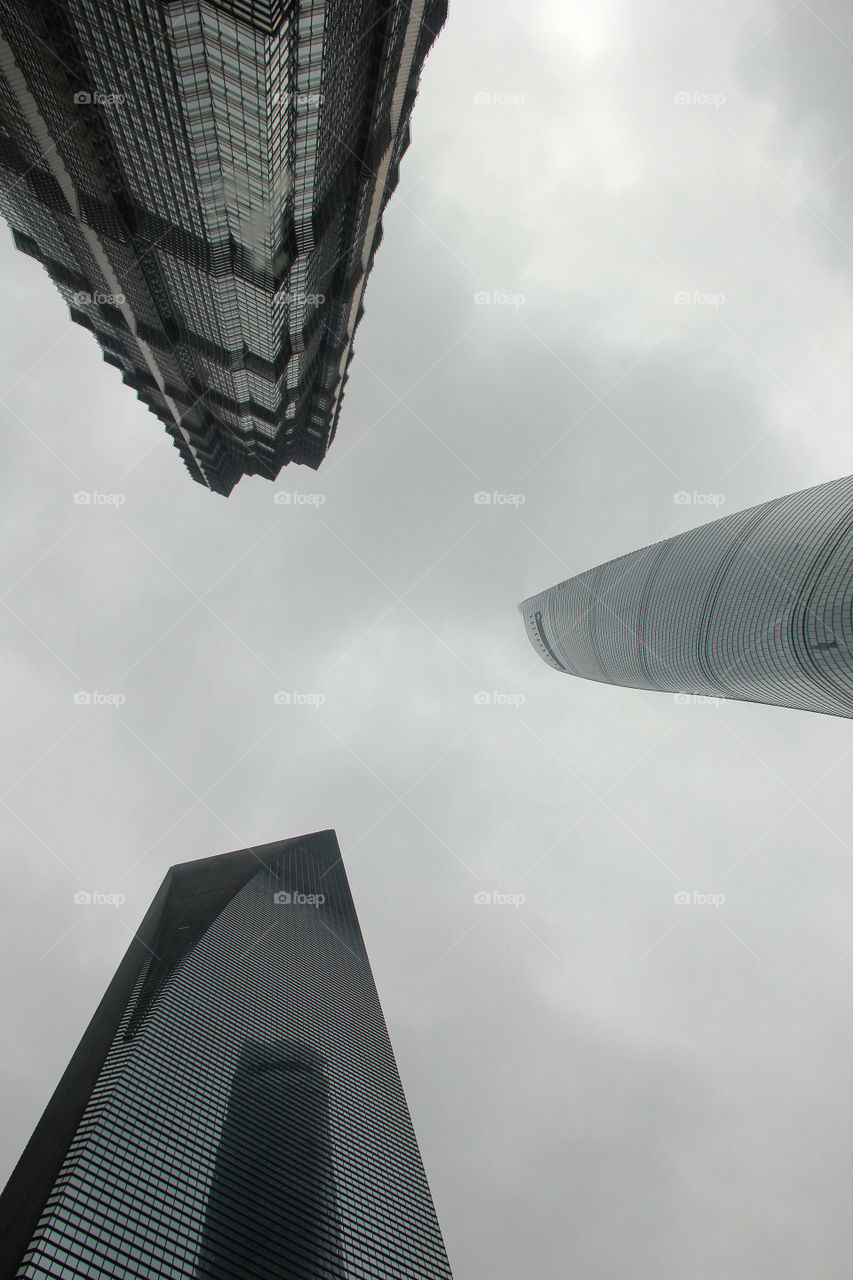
204 183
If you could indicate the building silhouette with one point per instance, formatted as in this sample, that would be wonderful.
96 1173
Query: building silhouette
755 606
234 1109
204 183
277 1121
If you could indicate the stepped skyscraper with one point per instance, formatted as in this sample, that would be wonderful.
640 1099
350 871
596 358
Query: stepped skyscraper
756 606
234 1110
204 182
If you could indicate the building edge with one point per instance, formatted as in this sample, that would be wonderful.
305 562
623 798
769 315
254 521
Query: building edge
31 1182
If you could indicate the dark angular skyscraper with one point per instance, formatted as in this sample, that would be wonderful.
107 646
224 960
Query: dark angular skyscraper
204 183
234 1110
755 606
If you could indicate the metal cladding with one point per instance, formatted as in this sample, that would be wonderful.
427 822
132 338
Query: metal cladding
204 183
756 606
234 1109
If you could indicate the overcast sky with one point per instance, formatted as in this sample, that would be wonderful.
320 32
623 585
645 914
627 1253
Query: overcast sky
605 1082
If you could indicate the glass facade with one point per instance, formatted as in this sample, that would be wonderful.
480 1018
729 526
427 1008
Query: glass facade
236 1111
204 182
756 606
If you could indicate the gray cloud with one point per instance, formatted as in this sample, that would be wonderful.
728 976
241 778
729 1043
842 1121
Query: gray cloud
604 1081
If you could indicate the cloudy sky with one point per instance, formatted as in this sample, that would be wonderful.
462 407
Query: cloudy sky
604 1081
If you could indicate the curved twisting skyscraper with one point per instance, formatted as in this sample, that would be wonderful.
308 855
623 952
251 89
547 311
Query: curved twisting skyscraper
234 1111
755 606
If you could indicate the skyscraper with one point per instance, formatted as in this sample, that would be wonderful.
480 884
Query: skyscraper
204 183
754 606
234 1108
